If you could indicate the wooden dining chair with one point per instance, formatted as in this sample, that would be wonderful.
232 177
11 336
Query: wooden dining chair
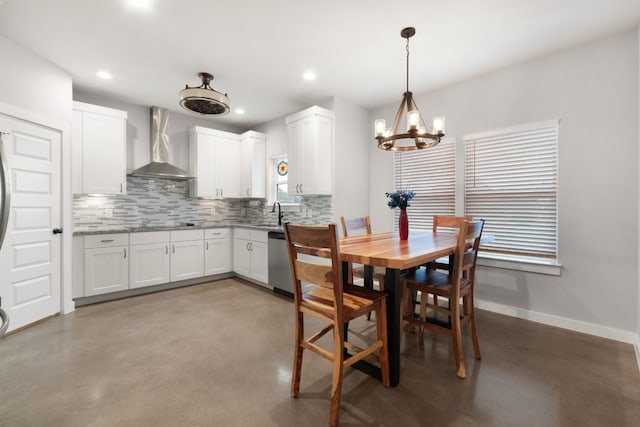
456 287
314 257
360 226
447 222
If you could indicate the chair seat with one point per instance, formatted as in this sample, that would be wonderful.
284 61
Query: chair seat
433 281
356 300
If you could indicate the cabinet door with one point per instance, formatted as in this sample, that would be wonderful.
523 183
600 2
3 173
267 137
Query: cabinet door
106 270
241 257
228 167
103 154
150 265
253 166
187 260
202 157
217 256
295 158
259 262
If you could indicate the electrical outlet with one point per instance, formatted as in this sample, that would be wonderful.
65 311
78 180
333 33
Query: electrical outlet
108 213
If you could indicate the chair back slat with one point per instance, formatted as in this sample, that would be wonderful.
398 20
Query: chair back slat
355 226
440 221
317 274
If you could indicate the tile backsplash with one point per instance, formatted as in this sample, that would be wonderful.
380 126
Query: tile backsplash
166 202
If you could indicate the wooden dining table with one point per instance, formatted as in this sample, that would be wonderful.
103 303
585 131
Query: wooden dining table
387 250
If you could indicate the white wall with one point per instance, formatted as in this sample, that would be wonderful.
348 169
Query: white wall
351 160
593 90
35 90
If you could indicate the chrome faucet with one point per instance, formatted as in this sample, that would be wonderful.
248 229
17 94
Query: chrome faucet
280 213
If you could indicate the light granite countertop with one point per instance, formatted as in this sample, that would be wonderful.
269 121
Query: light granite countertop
83 231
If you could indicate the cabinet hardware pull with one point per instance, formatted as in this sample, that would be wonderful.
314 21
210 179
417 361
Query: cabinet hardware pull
125 253
221 192
121 188
173 249
247 246
207 245
106 240
247 191
251 246
166 249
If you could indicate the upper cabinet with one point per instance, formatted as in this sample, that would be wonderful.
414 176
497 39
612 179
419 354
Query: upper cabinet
310 152
99 145
253 164
214 158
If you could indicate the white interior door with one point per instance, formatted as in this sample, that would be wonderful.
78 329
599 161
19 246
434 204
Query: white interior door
30 256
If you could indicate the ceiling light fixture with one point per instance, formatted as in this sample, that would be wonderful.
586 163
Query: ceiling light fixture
105 75
309 76
239 111
204 99
416 129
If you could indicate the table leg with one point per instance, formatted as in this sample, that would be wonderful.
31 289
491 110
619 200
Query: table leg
393 286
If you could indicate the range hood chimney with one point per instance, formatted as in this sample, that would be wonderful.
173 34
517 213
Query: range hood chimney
159 167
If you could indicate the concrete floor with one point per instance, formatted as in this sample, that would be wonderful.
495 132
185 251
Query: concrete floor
220 354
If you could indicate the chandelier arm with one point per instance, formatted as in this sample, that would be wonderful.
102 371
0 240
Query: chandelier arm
399 113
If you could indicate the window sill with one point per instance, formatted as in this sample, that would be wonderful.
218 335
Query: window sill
520 263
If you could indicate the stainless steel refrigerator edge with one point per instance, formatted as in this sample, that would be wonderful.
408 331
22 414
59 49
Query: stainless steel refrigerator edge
5 203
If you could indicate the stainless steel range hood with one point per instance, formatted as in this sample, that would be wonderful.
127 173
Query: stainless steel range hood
160 166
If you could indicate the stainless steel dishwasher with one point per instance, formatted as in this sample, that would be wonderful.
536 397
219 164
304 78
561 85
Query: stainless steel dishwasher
279 270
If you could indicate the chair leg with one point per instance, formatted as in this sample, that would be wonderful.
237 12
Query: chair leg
456 337
470 311
381 327
336 382
424 301
406 309
297 355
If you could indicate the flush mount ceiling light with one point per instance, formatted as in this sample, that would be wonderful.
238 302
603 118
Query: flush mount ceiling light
204 99
416 132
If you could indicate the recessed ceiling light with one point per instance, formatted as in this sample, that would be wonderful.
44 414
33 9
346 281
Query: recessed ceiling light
239 111
141 4
105 75
309 76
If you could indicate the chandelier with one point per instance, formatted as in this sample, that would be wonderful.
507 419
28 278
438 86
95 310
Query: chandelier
416 128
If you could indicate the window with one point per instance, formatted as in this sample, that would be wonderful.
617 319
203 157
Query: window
280 178
511 182
431 174
509 179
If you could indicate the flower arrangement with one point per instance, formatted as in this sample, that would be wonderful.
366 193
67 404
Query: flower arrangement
400 198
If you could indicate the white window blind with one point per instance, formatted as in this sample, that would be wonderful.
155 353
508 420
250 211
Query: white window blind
511 182
431 174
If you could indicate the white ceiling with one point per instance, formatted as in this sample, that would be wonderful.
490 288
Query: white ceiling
258 50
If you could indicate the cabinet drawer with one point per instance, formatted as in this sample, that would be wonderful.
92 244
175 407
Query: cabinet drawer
216 233
185 235
242 233
149 237
259 236
106 240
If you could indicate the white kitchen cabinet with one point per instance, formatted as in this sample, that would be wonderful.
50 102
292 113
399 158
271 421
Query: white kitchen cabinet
217 251
253 164
187 254
99 146
106 263
150 261
310 152
250 258
214 158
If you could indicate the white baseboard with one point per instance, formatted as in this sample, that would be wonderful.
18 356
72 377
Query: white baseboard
565 323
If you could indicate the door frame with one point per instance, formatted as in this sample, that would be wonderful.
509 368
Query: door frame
66 203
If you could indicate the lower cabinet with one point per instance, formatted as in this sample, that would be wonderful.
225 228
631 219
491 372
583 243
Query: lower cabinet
106 263
187 254
217 251
150 259
250 254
